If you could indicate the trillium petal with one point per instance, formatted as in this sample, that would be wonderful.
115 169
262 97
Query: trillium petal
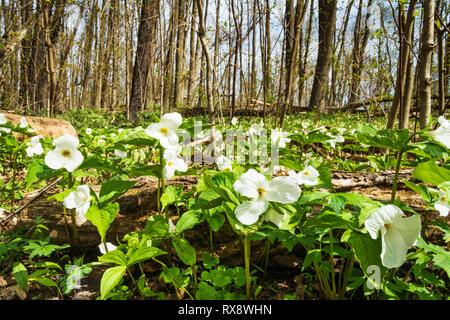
172 120
154 130
179 165
442 207
384 215
74 161
249 182
393 253
69 201
248 212
66 141
409 229
168 171
54 159
283 190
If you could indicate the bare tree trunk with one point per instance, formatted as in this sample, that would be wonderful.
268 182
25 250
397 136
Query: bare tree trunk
424 65
168 65
300 13
405 24
148 20
304 62
327 24
209 90
236 57
178 96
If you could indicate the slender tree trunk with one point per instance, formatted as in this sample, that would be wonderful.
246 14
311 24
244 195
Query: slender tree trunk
300 13
209 89
424 65
178 96
327 24
148 20
236 57
304 62
405 24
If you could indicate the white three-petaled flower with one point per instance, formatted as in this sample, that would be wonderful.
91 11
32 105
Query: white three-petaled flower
34 146
335 139
255 186
79 200
109 247
121 154
442 134
164 131
65 155
442 204
277 136
397 234
309 176
234 121
23 123
3 119
173 162
223 163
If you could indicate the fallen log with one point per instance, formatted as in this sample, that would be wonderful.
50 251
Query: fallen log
46 127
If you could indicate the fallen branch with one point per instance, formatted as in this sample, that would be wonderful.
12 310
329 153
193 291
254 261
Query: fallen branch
51 185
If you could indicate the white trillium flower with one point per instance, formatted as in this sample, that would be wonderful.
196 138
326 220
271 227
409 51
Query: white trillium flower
442 204
309 176
65 155
109 247
279 137
397 234
3 119
173 162
101 142
172 228
88 131
79 200
2 213
255 186
305 125
335 139
23 123
121 154
223 163
255 128
234 121
34 146
7 130
442 134
164 131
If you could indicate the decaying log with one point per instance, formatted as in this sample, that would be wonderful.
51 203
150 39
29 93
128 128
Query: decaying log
46 127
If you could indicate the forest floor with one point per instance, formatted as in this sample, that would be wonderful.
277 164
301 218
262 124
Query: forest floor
283 276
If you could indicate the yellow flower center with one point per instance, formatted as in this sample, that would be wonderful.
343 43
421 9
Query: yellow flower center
306 173
163 130
227 170
169 163
261 191
387 225
65 153
443 199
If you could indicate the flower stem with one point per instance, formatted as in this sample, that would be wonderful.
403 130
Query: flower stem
266 257
135 283
247 266
166 214
397 170
333 280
